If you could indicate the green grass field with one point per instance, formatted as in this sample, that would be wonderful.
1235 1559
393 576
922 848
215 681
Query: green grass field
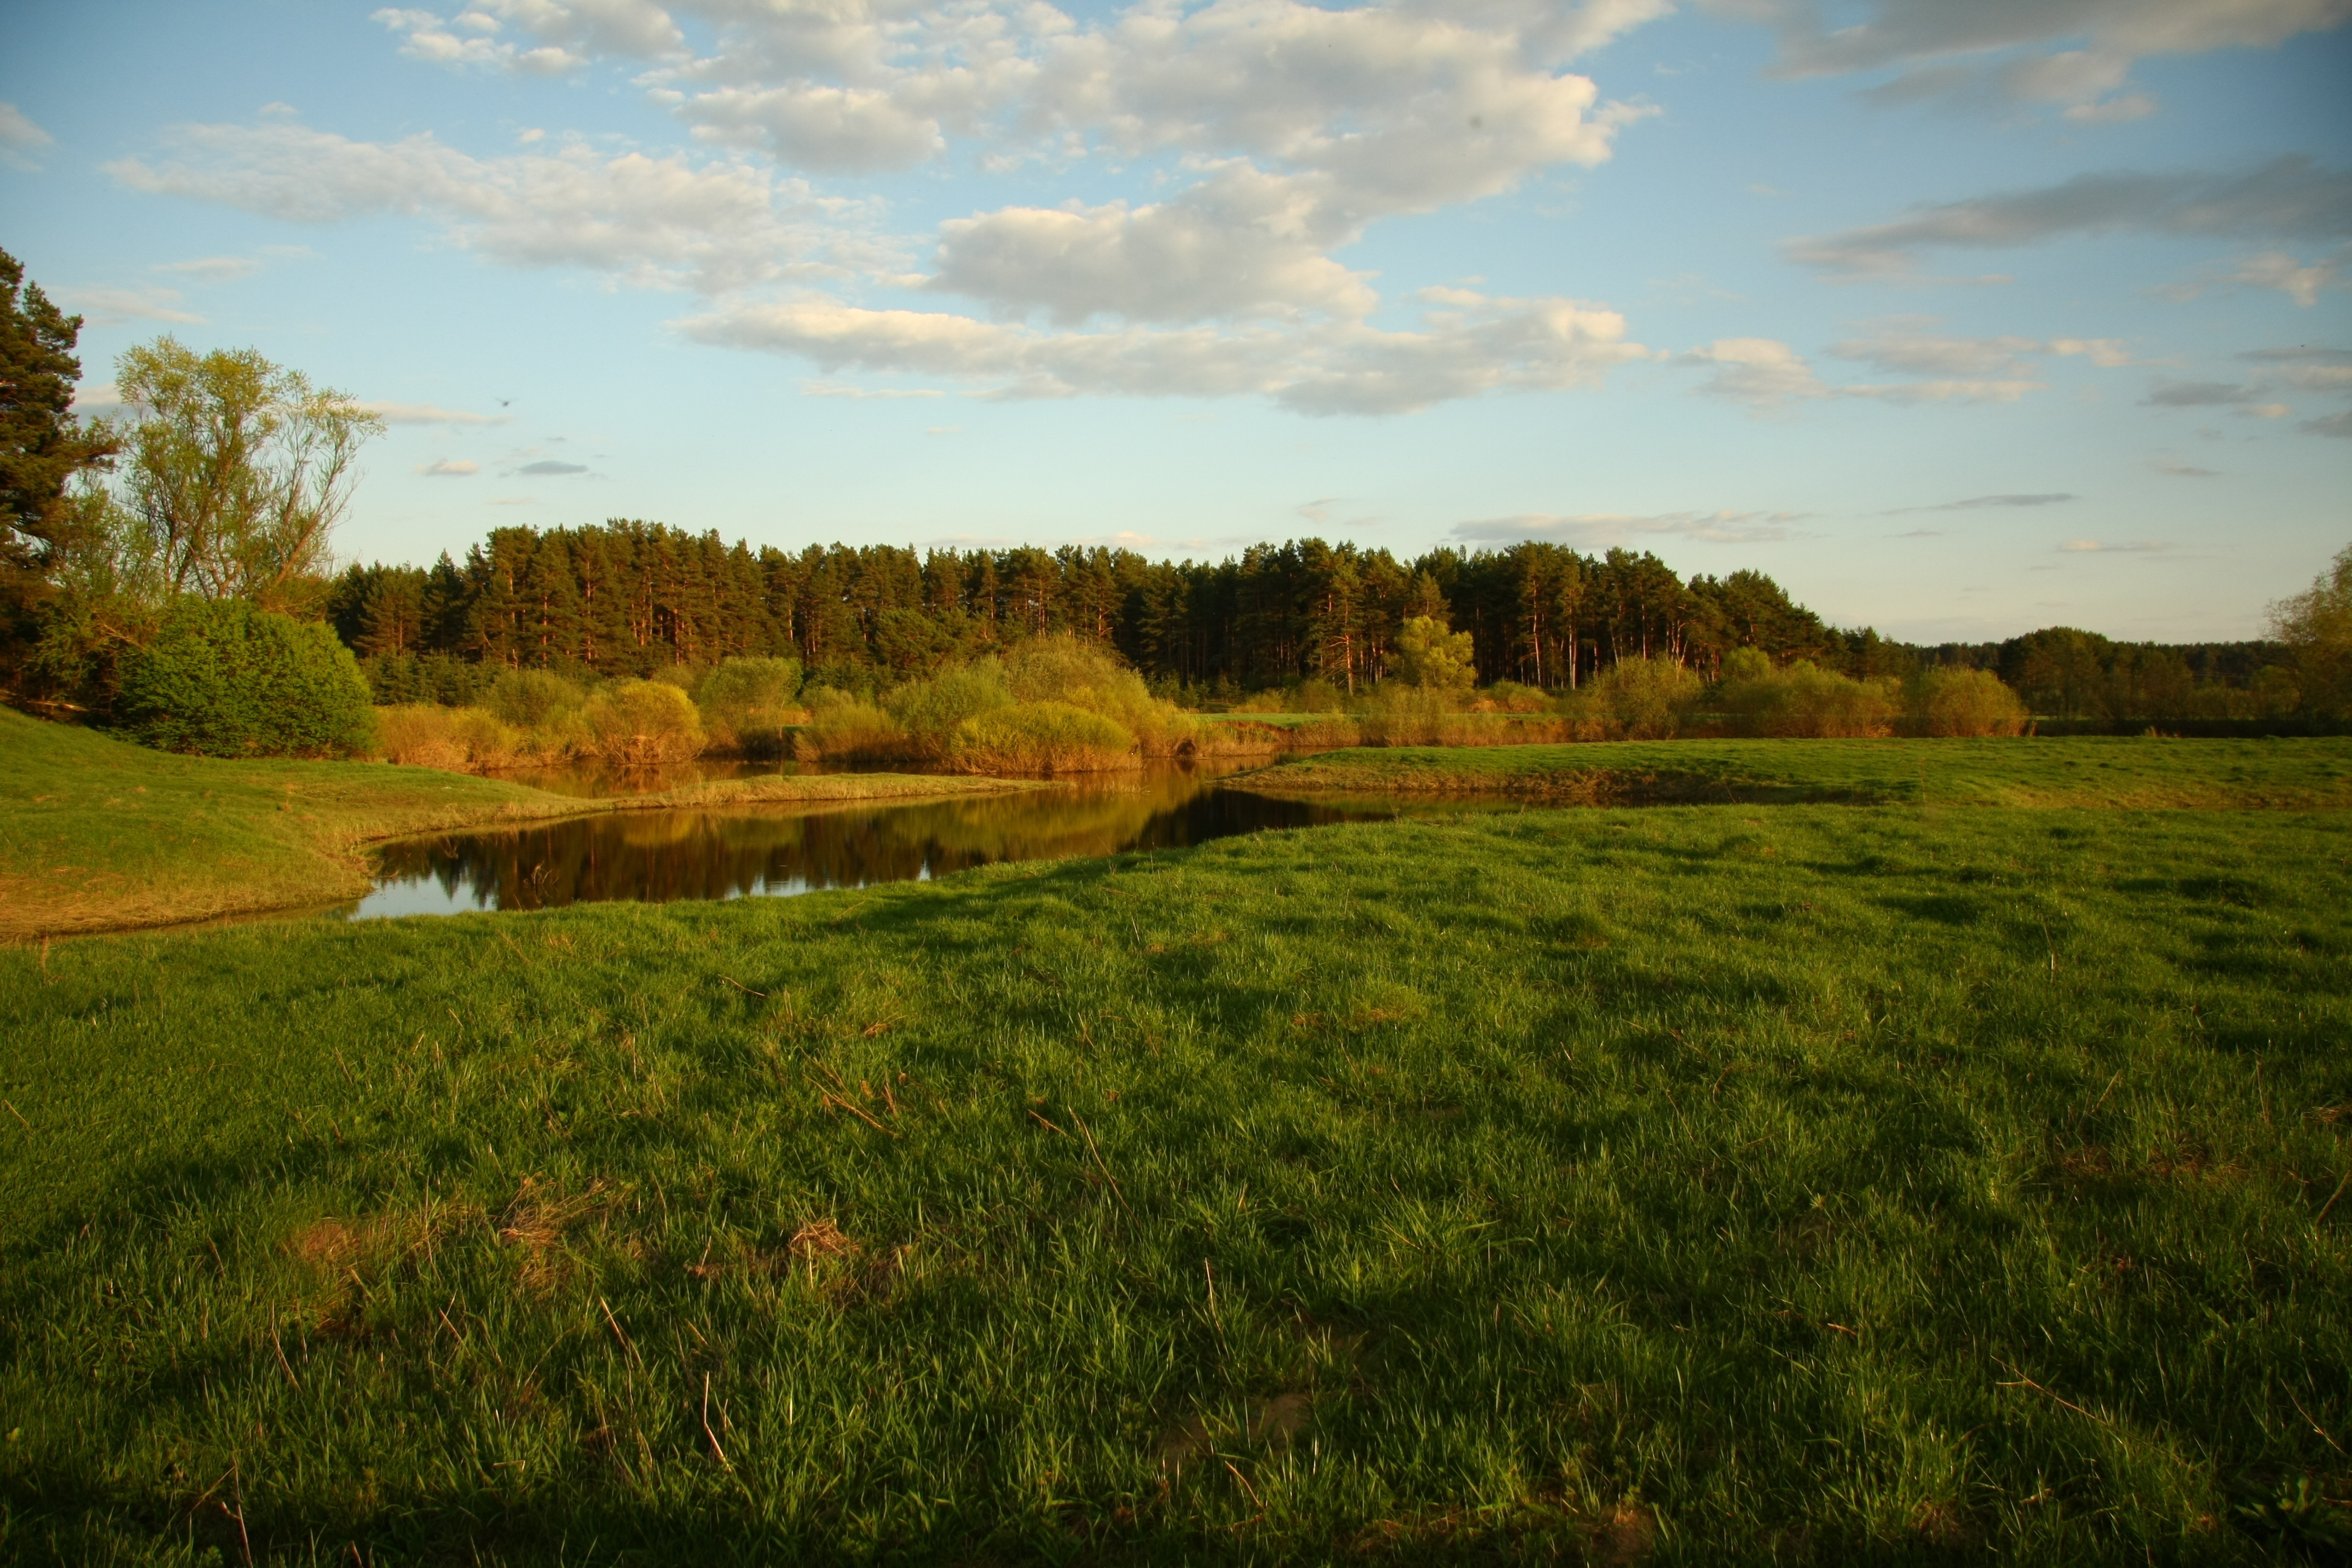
2088 771
1816 1183
97 835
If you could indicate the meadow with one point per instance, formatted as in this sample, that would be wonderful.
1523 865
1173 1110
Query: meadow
1907 1182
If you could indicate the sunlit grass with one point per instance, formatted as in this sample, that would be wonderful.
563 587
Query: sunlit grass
1719 1185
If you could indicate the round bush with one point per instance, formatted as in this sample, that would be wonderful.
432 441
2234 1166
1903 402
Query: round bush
1041 737
226 679
645 723
1951 701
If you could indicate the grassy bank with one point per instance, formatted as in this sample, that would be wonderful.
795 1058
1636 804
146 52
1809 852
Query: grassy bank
2086 772
98 835
1824 1185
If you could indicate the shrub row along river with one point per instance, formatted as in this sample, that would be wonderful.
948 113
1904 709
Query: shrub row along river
656 855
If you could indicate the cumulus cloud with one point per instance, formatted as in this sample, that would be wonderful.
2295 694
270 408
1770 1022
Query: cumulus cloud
662 222
425 414
1473 346
568 34
2288 197
2022 51
450 467
111 307
833 129
549 468
1240 243
1593 529
19 137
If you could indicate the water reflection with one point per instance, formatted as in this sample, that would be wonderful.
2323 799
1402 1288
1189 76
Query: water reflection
653 855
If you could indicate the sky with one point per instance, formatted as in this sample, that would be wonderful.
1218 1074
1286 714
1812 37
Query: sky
1958 318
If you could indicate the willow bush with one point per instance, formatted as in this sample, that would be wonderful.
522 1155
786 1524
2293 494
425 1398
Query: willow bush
645 723
224 678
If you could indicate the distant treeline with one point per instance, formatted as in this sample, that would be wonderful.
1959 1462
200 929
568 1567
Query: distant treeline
632 597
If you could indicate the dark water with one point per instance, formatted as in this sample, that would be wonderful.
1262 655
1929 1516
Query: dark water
654 855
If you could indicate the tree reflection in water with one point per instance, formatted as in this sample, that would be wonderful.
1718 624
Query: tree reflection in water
653 855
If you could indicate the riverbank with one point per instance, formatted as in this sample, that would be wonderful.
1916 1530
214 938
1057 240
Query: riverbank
97 835
1708 1185
2095 773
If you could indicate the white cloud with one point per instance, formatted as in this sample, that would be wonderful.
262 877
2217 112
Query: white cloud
110 307
1327 367
1241 243
1590 530
642 220
1956 47
835 129
570 33
426 413
101 398
19 137
2288 197
2117 547
1768 374
2108 353
2292 277
1762 372
450 467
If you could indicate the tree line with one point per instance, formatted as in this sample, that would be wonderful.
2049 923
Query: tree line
632 597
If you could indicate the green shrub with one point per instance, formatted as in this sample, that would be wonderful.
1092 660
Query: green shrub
1800 701
930 710
227 679
747 702
455 740
845 728
645 723
1086 675
1510 697
1642 699
532 698
1955 701
1041 737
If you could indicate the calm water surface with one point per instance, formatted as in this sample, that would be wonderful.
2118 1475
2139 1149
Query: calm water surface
764 851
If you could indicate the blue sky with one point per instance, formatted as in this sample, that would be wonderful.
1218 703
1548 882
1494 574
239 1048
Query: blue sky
1958 318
